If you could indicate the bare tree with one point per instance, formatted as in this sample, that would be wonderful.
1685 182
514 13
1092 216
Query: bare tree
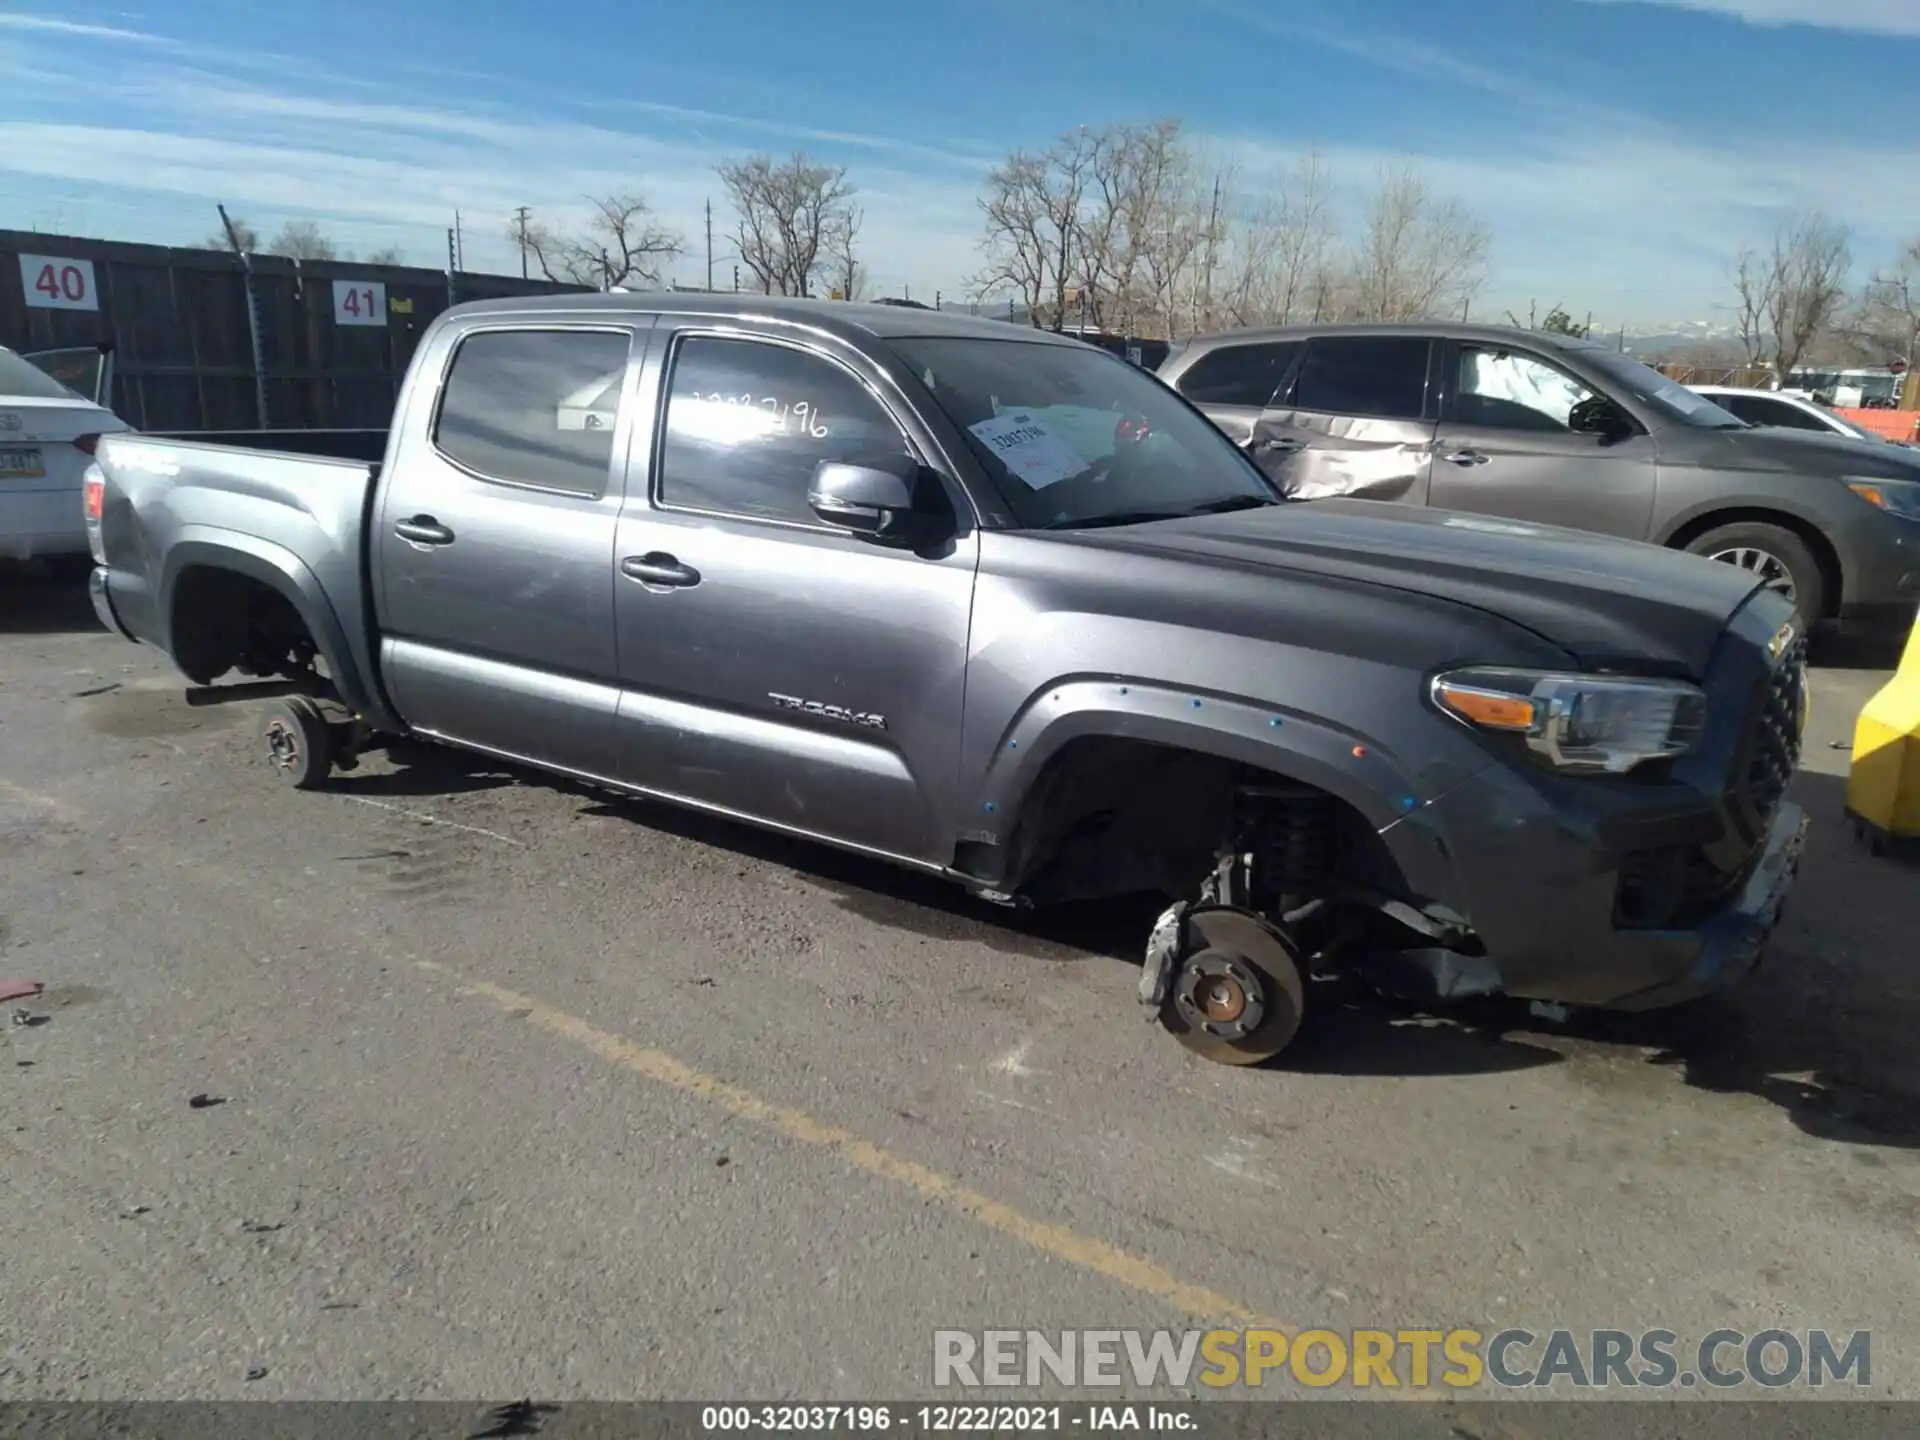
1279 249
1033 208
248 237
1418 256
1752 287
622 241
1811 260
794 220
1889 318
386 255
303 240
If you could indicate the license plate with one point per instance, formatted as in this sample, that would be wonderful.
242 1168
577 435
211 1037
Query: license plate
21 464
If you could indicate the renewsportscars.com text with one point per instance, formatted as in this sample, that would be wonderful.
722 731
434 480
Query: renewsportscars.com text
1458 1359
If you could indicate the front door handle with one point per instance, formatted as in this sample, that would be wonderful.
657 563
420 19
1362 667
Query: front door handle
1283 445
423 530
656 568
1467 457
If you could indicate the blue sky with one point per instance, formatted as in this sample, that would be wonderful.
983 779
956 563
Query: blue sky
1620 150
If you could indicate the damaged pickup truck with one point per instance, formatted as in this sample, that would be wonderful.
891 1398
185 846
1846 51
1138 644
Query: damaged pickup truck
996 605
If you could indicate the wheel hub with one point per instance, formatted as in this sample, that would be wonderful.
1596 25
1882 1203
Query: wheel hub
283 745
1217 992
1769 569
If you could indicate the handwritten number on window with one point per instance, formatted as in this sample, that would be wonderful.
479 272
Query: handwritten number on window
800 416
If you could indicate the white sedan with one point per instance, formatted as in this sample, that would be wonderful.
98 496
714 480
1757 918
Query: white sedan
1785 410
47 435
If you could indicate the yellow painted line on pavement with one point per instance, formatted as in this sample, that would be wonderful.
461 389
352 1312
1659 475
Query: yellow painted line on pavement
1052 1239
1057 1241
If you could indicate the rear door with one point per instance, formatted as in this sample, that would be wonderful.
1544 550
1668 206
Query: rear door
774 666
1769 410
1234 384
1354 418
494 541
1504 447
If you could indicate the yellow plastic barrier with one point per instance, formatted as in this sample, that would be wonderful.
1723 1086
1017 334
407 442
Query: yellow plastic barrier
1883 786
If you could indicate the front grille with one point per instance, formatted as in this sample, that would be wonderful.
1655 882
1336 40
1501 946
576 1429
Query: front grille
1672 888
1679 886
1771 750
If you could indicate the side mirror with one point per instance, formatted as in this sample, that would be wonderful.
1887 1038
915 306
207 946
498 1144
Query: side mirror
872 499
1599 416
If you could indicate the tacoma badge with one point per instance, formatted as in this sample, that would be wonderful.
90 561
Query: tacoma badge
830 712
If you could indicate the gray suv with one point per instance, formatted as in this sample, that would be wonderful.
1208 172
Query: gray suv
1550 429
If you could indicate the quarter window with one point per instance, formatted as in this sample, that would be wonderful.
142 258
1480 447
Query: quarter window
534 407
748 423
1381 376
1239 374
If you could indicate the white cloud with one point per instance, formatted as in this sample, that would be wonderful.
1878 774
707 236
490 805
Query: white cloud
47 25
1873 17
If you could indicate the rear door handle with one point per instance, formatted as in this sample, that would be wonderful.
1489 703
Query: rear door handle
656 568
423 530
1467 457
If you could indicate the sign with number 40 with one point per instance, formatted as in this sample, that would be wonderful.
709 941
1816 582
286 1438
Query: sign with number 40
359 302
52 282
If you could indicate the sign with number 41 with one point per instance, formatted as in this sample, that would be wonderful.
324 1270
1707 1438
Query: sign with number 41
359 302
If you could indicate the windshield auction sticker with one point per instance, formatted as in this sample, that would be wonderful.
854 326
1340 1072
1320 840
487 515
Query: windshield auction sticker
1029 449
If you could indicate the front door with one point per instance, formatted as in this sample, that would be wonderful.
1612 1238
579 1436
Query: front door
773 666
1504 448
1354 420
494 546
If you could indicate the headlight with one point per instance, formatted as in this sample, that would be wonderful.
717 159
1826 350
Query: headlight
1896 497
1584 724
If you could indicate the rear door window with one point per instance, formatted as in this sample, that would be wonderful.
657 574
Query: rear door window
1239 374
534 407
1376 376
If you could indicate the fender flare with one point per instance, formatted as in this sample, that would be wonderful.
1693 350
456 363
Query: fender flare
1300 746
281 571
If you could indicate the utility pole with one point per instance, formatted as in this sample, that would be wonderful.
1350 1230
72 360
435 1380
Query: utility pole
1213 242
520 236
253 317
736 279
709 245
459 242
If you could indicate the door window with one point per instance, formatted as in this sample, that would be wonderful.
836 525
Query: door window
1510 391
534 407
1383 376
748 422
1761 410
1239 374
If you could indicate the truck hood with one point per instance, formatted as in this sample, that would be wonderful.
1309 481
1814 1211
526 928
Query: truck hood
1610 604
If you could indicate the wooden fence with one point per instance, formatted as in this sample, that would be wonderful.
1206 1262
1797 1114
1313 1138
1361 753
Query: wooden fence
331 342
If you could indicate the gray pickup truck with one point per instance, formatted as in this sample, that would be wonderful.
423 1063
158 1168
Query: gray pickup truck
1001 607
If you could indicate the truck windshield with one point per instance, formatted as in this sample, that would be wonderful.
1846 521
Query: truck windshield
1669 397
1073 436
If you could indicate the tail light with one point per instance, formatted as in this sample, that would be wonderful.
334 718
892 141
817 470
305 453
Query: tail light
87 444
1131 432
93 496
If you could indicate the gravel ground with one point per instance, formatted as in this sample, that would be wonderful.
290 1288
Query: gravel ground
513 1089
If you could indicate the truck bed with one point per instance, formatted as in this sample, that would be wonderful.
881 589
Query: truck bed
295 521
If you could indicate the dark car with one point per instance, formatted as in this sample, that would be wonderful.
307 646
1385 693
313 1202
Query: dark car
1520 425
996 606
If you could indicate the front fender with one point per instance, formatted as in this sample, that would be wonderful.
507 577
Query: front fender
281 570
1308 748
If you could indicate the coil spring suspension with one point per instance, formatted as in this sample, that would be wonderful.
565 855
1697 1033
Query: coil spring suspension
1289 832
